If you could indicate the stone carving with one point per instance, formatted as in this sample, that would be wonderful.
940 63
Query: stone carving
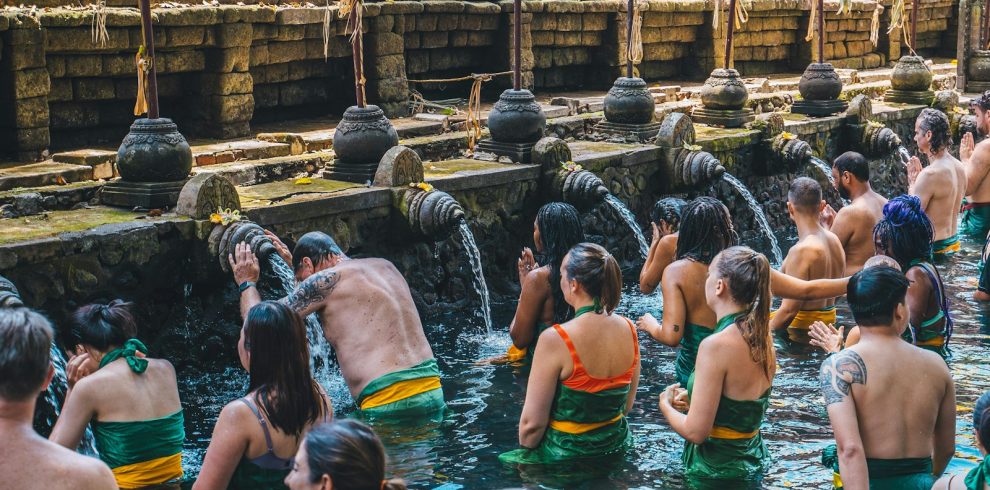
946 100
911 74
724 90
364 135
223 240
205 194
399 166
154 151
820 82
676 130
551 152
431 213
9 297
860 110
685 167
629 102
516 118
564 182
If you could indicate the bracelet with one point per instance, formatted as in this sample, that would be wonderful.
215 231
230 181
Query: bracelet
244 285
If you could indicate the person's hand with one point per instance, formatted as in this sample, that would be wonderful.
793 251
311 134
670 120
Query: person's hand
657 235
913 169
244 264
680 401
283 251
647 323
826 337
669 394
525 264
828 216
79 366
966 146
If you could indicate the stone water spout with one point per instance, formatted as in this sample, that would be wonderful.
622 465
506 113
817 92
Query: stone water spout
778 151
224 239
866 135
685 166
564 180
9 296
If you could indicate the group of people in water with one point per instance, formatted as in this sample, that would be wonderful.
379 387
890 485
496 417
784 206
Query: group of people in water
886 385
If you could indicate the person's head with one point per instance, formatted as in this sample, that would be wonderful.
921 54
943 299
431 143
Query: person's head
25 355
668 211
931 131
850 170
981 106
804 198
345 455
706 229
556 229
275 351
981 422
740 277
315 251
590 272
876 298
904 233
99 328
881 261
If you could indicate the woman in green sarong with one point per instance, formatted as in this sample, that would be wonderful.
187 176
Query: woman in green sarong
130 400
729 392
257 436
978 478
585 372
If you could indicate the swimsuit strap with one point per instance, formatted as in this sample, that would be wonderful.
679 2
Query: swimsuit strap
595 307
578 367
264 425
940 297
580 371
129 352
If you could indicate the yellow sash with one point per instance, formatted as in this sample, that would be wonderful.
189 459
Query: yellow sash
836 480
933 342
151 472
950 248
581 427
727 433
400 391
515 354
805 318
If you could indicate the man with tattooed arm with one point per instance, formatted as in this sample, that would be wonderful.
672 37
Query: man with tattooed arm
891 404
369 318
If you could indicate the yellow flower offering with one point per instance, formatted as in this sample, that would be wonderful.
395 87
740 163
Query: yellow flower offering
303 181
788 136
690 147
425 187
571 166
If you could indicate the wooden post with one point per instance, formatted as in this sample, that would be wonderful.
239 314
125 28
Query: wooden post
151 84
517 47
357 47
629 34
821 31
728 33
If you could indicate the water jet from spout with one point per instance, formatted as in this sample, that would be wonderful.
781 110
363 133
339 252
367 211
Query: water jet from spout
761 218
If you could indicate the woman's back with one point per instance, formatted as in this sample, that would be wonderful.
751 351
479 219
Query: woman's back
744 378
605 345
689 277
122 395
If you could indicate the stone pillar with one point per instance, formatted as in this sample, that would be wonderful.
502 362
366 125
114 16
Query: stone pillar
967 38
24 88
384 60
227 86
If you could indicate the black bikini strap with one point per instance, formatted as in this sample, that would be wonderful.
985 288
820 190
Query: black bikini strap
261 420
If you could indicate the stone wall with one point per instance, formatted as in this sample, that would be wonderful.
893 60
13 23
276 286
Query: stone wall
566 40
668 38
767 43
847 39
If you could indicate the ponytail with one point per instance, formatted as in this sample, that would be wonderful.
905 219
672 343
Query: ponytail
748 277
598 272
103 326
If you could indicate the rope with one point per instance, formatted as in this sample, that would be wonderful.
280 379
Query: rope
99 25
634 45
813 21
875 25
741 15
461 79
327 17
474 100
897 15
143 65
845 6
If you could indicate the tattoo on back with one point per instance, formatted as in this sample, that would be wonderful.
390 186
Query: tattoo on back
839 372
314 289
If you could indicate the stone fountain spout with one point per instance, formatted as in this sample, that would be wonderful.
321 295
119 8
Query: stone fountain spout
685 165
224 239
869 137
778 151
563 179
431 213
9 296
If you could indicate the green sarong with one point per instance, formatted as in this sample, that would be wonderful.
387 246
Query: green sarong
688 353
975 219
142 453
946 246
924 335
411 393
249 476
887 474
976 479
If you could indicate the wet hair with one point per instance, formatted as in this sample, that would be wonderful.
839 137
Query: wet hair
560 229
103 326
315 245
25 357
904 233
983 101
874 294
983 430
706 229
597 272
937 122
668 209
881 261
350 453
275 336
748 276
805 195
854 163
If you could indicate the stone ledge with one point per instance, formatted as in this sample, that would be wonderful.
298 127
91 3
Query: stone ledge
597 156
316 205
487 176
16 175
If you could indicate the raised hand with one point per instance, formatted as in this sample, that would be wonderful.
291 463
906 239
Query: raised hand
525 264
280 247
657 235
79 366
826 337
828 216
914 169
244 264
648 323
966 146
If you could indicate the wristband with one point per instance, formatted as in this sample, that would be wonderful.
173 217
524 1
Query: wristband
244 285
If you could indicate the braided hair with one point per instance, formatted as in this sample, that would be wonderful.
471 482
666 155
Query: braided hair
905 233
705 230
560 229
937 122
668 209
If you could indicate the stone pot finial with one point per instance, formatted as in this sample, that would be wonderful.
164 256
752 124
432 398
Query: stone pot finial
205 194
399 166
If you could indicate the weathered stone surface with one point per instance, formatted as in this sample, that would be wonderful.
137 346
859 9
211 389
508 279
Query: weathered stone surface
206 193
232 107
228 60
234 35
31 113
83 66
74 115
284 52
299 15
26 56
184 36
247 14
385 43
399 167
189 16
181 61
31 83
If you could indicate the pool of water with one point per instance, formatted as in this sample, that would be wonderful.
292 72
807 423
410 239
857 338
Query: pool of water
485 402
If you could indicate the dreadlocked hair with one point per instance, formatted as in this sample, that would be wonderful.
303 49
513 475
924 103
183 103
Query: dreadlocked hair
748 276
937 122
668 209
560 229
905 233
706 229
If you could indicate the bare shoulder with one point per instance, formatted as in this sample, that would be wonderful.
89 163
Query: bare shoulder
839 372
538 279
84 472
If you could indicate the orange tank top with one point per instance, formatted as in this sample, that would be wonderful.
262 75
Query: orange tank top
580 380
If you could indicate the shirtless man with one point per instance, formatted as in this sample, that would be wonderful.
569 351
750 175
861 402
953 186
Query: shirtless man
854 223
369 318
891 404
817 255
27 460
975 158
942 184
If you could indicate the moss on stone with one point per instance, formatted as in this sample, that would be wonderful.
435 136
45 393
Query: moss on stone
265 194
53 223
49 189
450 167
724 139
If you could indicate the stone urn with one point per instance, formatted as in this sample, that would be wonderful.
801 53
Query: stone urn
724 90
629 102
516 118
154 151
911 74
820 82
363 135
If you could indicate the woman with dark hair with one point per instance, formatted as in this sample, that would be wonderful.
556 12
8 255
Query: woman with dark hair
556 229
728 394
257 436
345 455
665 220
131 400
585 372
978 478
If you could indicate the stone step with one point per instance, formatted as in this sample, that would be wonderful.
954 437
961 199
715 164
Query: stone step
213 154
100 160
14 175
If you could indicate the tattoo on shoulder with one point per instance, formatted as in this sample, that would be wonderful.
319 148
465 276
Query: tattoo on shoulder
839 372
313 290
677 328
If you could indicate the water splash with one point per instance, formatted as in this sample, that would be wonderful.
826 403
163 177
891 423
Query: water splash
627 216
824 167
55 397
480 286
904 154
761 218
